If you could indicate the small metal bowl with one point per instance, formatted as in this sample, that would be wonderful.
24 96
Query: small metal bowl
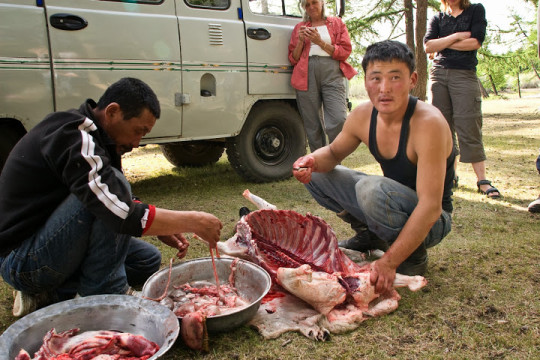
251 281
100 312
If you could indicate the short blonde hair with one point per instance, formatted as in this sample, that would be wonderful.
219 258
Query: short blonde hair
463 4
306 16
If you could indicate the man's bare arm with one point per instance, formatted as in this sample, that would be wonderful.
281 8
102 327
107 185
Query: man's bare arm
171 222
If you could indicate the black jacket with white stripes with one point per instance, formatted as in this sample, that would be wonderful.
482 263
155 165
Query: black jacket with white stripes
66 153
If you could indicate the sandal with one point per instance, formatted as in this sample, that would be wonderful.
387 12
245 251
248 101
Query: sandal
491 190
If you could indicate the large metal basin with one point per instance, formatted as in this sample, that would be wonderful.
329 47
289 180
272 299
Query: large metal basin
251 281
100 312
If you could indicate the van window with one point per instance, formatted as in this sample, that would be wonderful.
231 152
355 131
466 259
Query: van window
209 4
276 7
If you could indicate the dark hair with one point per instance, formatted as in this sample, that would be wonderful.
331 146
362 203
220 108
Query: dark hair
133 96
389 50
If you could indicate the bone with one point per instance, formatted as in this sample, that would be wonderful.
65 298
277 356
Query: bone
259 202
414 283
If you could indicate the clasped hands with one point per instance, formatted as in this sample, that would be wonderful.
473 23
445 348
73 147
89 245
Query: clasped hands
310 33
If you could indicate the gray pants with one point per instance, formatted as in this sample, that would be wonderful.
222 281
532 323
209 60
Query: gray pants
326 89
383 204
456 94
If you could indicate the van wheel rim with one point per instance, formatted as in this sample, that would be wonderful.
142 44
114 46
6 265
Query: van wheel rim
269 143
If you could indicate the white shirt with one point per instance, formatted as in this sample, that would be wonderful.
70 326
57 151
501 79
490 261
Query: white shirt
325 36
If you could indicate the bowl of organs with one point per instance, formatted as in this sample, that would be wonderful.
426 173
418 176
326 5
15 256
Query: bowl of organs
225 296
92 326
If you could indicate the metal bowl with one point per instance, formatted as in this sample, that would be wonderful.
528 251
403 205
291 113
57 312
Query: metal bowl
251 281
100 312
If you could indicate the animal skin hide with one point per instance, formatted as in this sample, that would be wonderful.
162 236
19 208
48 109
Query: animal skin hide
317 289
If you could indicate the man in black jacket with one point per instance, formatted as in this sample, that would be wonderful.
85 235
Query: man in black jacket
68 216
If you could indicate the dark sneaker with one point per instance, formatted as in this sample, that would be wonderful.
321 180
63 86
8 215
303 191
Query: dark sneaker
26 303
416 264
363 241
534 207
413 268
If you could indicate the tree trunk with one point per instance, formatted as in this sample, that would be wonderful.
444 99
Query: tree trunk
518 85
421 60
409 23
493 85
483 89
535 69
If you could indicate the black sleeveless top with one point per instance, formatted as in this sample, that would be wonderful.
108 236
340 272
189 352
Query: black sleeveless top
400 168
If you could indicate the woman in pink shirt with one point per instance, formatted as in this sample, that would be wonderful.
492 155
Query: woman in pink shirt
318 50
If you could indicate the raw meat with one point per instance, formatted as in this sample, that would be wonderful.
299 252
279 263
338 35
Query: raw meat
113 345
196 301
332 294
319 289
284 238
193 331
204 297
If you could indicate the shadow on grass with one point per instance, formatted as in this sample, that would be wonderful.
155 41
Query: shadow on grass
501 202
512 116
189 178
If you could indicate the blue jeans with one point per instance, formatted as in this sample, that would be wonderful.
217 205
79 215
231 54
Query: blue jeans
78 253
383 204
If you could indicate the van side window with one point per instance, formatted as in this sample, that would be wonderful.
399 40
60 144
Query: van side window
209 4
276 7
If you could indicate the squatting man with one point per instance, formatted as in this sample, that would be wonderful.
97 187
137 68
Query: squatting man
69 220
409 208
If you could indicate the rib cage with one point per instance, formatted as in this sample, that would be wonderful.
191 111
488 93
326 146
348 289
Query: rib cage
285 238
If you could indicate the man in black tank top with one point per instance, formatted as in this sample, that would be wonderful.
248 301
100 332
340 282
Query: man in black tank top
408 209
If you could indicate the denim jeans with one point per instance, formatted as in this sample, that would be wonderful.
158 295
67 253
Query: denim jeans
77 251
383 204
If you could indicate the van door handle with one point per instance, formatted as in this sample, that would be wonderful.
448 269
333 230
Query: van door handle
68 22
258 33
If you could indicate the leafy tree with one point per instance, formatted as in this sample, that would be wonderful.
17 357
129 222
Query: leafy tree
369 21
395 18
494 68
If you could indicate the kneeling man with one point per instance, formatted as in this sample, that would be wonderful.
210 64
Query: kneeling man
408 209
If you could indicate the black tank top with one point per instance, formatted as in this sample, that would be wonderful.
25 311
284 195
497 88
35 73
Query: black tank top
400 168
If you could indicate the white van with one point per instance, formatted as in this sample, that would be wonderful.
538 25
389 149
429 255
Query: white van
219 68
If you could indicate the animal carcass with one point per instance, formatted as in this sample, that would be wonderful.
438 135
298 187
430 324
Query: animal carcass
70 344
302 256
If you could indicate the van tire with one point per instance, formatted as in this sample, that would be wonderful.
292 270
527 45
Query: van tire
193 153
272 139
11 131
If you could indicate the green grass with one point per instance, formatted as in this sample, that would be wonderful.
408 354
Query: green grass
482 299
